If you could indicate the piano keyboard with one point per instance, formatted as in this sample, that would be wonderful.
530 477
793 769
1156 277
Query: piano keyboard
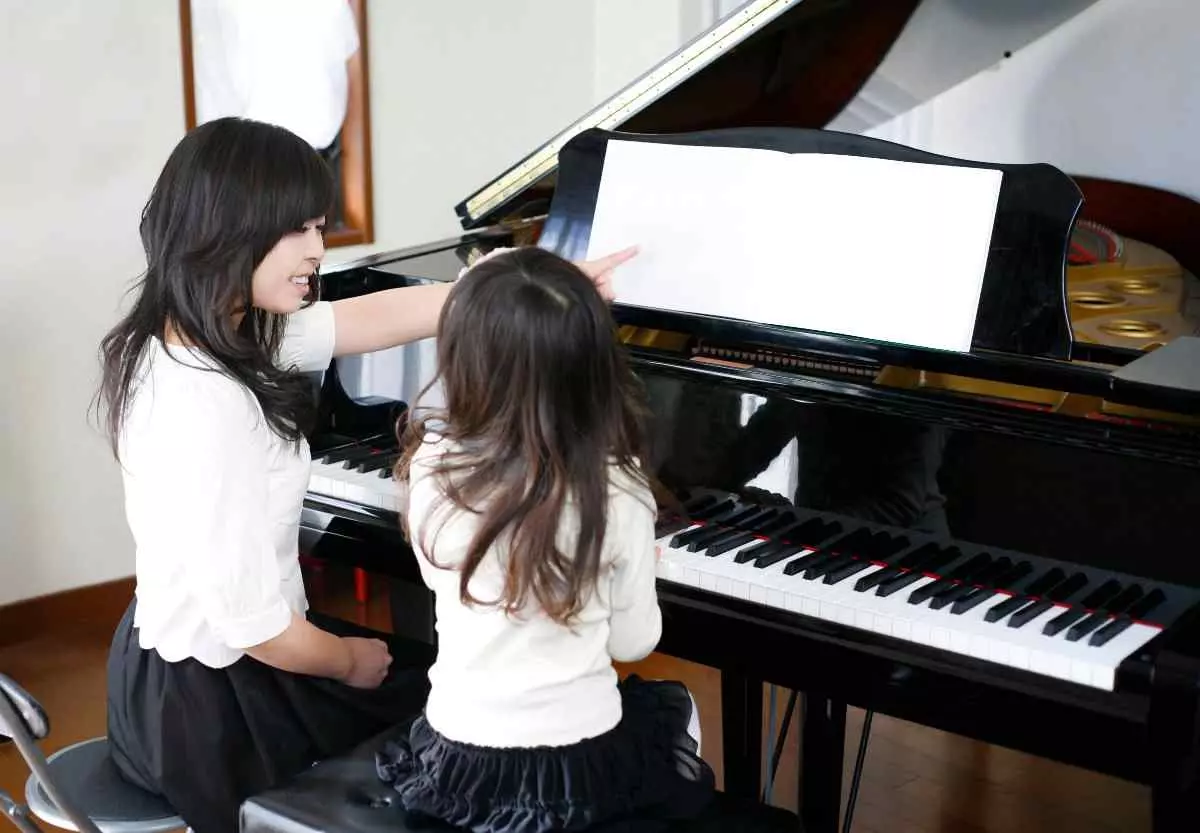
358 472
1049 618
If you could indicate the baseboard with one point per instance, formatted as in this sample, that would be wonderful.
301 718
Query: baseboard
98 606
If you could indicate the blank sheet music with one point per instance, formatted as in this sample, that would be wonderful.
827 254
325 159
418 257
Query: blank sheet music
876 248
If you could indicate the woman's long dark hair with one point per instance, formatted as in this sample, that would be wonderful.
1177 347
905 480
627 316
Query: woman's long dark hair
231 189
540 403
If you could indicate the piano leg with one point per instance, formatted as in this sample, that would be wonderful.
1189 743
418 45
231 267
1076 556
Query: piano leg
413 615
741 735
1174 731
823 737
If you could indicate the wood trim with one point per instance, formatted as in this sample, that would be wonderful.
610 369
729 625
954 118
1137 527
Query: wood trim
189 76
1152 215
357 195
96 607
357 192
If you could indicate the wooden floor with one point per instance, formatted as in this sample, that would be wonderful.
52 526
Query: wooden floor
916 780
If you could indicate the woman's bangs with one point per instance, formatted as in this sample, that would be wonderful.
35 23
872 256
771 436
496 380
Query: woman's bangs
304 188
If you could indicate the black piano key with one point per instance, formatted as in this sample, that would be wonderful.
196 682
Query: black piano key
1045 582
699 504
777 524
757 551
977 579
1066 589
774 557
1089 624
951 579
1090 621
1102 594
704 538
712 511
896 583
384 461
881 548
909 561
669 526
1106 633
817 535
341 455
837 563
1065 619
365 455
682 539
1148 603
1030 612
807 533
853 568
952 594
974 597
832 553
1005 608
821 557
729 542
1059 592
886 548
1010 578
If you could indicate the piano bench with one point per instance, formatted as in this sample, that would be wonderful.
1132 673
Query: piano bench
346 795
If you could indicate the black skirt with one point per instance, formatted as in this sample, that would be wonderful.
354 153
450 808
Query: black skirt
206 739
640 776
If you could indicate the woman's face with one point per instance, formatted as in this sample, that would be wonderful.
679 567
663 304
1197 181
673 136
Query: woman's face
280 282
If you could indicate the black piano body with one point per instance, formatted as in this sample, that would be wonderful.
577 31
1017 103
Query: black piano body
1038 487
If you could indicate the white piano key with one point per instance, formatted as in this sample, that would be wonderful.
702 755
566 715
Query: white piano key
367 488
968 634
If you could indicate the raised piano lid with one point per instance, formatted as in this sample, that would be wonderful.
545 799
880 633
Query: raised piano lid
788 63
767 63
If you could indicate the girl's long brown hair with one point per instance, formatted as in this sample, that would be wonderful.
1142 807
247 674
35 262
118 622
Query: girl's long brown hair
540 404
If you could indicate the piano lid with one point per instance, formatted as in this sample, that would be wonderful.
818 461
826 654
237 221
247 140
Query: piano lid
845 65
764 64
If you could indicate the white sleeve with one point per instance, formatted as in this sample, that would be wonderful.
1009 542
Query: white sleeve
219 454
308 339
635 624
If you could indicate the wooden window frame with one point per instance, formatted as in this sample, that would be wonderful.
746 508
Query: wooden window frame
355 157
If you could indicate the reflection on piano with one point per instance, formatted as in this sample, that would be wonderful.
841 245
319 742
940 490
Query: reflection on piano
998 543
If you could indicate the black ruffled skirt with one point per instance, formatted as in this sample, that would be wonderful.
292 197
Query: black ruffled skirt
205 739
639 776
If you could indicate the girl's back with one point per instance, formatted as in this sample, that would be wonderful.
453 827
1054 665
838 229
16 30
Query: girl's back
533 523
522 679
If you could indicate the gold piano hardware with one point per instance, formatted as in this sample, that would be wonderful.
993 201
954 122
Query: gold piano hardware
1042 399
632 99
1136 299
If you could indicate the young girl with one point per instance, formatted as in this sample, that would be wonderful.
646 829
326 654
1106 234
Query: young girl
219 683
534 526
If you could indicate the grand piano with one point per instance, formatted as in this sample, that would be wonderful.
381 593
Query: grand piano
997 542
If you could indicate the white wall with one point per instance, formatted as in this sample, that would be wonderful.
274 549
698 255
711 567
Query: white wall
1109 93
459 91
92 107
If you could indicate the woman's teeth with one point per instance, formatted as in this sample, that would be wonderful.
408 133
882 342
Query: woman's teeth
301 281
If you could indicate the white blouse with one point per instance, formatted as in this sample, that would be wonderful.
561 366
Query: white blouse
523 680
213 499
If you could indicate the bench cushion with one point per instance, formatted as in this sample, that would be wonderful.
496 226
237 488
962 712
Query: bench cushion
345 795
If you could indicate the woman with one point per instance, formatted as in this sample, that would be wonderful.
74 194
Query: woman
219 685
